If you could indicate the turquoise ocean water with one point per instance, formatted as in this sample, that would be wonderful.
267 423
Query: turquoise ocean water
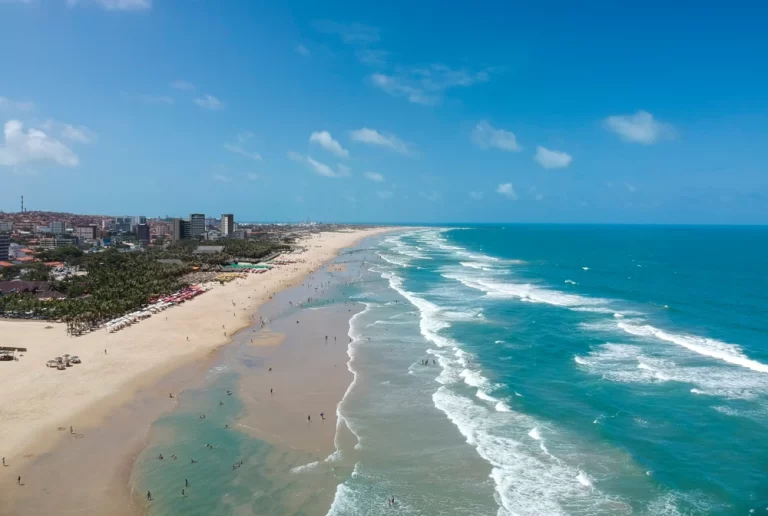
546 370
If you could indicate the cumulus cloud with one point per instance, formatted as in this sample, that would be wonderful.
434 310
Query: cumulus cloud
239 146
373 137
485 136
318 167
352 33
375 177
209 102
182 85
115 5
7 104
33 145
326 141
507 190
552 158
302 50
639 128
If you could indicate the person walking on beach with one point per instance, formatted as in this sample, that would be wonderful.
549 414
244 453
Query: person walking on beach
3 461
149 496
309 418
18 480
186 483
182 493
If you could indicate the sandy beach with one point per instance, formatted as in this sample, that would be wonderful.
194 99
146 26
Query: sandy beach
40 404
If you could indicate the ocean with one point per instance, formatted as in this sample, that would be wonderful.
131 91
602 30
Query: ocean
542 369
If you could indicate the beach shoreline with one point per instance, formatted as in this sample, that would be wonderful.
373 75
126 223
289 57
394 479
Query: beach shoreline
117 366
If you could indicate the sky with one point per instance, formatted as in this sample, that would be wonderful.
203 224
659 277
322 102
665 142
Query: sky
429 111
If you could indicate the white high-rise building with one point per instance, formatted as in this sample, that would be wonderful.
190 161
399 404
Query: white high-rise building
227 225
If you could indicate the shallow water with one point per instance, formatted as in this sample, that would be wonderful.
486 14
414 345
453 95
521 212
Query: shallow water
519 370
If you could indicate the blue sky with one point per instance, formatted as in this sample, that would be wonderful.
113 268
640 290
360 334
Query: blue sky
398 111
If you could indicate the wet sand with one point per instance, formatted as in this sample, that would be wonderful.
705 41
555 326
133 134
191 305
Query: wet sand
308 377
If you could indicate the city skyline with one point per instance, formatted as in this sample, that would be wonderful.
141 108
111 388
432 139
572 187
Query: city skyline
356 114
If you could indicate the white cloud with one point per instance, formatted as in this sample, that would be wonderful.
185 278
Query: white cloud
430 196
80 134
326 141
22 147
476 195
156 99
321 168
507 190
318 167
425 85
384 194
399 88
239 146
372 57
182 85
209 102
302 50
375 177
115 5
253 176
639 128
221 178
484 135
552 158
373 137
7 104
353 33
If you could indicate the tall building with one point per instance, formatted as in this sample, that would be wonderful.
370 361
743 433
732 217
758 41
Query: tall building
6 225
90 232
58 227
135 221
123 224
142 234
182 230
5 245
227 225
197 220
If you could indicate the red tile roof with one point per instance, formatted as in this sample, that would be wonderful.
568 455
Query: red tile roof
6 264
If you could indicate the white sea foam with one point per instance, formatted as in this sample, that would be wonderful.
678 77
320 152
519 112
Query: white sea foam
627 363
585 268
534 434
583 479
528 292
474 378
473 265
485 396
730 353
305 467
502 407
498 342
571 282
527 481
